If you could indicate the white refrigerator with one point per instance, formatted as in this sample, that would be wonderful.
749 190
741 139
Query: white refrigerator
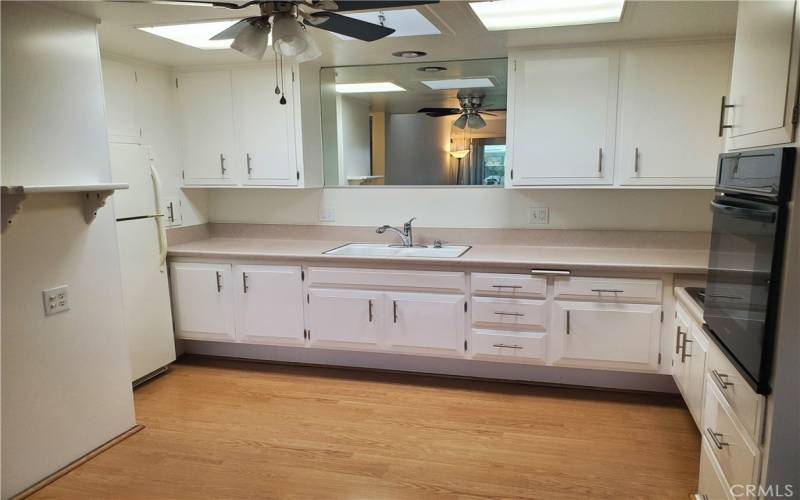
142 249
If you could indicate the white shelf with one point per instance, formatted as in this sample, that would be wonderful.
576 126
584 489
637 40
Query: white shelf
94 197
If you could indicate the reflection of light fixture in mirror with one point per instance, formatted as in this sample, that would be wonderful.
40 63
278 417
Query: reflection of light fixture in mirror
459 147
459 154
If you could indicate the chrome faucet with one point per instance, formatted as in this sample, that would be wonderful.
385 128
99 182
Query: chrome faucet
406 234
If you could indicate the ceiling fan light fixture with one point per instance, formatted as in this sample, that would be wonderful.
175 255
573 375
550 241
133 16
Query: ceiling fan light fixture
312 50
288 36
475 121
460 122
252 40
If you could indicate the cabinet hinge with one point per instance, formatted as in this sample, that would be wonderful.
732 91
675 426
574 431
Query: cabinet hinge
512 174
465 307
135 76
298 175
794 115
309 335
292 75
302 275
466 345
305 334
176 83
183 174
659 358
308 298
662 316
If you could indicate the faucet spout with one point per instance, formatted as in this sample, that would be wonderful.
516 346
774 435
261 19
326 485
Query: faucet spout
405 234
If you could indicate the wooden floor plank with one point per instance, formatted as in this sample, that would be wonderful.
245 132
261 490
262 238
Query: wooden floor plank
229 429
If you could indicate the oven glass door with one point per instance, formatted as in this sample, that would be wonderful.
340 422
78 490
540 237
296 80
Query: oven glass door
737 292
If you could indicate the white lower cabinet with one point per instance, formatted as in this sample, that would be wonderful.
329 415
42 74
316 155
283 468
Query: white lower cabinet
269 304
346 319
606 335
203 301
514 347
712 484
425 323
689 367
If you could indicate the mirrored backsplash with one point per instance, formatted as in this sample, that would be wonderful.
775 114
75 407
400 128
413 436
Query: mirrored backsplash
415 124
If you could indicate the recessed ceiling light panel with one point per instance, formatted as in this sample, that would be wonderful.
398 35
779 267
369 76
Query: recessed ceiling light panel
405 22
409 54
362 88
195 34
524 14
458 83
432 69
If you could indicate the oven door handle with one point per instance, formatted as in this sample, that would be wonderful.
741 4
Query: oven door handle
745 213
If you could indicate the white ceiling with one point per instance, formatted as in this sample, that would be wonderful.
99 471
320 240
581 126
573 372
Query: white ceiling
463 35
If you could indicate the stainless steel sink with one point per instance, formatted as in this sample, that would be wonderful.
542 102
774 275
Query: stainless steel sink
382 250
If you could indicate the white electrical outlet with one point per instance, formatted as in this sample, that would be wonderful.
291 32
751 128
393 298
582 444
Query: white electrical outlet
56 300
327 214
539 215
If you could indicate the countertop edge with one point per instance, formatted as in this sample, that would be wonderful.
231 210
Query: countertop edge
689 304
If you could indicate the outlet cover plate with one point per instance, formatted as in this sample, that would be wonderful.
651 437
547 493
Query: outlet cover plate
539 215
327 214
56 300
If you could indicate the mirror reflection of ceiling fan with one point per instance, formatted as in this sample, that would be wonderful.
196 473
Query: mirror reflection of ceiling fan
470 111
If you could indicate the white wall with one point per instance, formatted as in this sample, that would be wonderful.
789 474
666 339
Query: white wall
155 112
65 378
468 207
411 161
353 140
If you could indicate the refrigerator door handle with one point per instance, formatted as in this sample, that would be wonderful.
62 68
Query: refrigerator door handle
162 233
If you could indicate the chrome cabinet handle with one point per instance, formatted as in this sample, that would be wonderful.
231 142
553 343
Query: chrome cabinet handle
552 272
716 438
600 160
171 211
683 349
568 332
244 282
678 335
222 167
636 161
721 379
722 109
607 290
501 313
507 346
699 496
219 281
507 286
370 310
394 306
249 158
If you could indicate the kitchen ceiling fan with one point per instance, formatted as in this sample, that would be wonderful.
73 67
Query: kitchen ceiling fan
471 109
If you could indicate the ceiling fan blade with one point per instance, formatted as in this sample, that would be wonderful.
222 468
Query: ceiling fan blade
439 111
233 30
354 28
347 5
485 113
195 3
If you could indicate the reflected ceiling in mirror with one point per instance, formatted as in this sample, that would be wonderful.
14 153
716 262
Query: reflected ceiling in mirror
432 123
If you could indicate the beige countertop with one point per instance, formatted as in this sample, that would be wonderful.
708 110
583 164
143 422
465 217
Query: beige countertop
481 256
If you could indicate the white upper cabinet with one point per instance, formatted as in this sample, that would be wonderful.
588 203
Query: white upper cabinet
562 116
208 144
264 128
119 85
269 305
669 113
764 79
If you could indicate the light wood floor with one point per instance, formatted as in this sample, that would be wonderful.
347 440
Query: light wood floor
226 429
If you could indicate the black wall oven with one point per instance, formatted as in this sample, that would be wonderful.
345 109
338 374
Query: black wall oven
745 264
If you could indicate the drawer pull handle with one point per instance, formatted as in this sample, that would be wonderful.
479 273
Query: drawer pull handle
716 438
219 282
506 286
394 308
501 313
508 346
678 335
370 310
684 355
607 290
568 330
721 379
552 272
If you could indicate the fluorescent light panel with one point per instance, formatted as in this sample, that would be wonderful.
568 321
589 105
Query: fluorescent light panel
524 14
458 83
359 88
196 34
405 22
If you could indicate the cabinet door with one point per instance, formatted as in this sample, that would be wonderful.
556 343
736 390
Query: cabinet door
606 335
264 128
119 85
693 356
764 77
202 300
670 95
563 117
426 323
349 319
269 304
682 327
206 127
712 484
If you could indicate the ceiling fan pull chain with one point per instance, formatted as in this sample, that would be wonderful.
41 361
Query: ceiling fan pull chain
283 98
277 87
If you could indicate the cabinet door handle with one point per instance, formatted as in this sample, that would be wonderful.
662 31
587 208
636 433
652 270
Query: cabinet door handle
678 335
394 306
222 167
568 332
716 438
600 160
249 158
721 379
219 281
508 346
501 313
607 290
722 109
636 161
507 286
683 349
370 310
171 211
244 282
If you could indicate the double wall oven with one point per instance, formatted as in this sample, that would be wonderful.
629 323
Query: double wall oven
745 265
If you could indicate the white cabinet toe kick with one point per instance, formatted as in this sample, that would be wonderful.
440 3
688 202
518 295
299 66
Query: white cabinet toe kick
556 320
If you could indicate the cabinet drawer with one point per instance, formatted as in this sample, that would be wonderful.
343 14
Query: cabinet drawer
743 400
332 277
509 285
736 454
712 484
523 347
509 313
612 289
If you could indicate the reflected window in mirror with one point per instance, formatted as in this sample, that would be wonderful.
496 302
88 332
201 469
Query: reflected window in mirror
415 124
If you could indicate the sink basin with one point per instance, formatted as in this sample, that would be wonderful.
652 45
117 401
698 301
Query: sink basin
382 250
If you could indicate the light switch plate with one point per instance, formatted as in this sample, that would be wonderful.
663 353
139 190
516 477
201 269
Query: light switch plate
56 300
327 214
539 215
